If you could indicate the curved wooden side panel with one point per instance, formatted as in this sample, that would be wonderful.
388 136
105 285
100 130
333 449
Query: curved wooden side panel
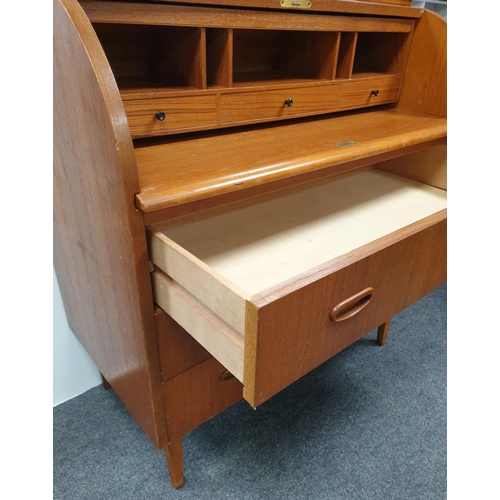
424 83
100 253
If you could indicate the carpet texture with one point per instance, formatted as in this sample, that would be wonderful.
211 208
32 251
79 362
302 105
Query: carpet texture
368 424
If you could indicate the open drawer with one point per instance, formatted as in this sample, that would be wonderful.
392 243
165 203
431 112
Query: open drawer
275 289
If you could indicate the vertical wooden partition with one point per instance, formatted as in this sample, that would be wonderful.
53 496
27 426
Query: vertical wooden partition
347 50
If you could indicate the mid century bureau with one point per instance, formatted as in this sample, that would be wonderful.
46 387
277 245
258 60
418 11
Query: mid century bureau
242 189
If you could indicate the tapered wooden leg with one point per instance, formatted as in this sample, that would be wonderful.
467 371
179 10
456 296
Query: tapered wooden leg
173 453
105 383
382 333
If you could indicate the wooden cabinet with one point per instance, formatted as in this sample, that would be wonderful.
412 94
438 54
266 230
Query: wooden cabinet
242 193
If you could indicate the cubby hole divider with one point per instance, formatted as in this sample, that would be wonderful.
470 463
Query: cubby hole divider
219 60
347 50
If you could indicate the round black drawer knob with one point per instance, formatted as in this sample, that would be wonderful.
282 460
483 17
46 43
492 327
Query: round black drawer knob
289 102
160 115
374 92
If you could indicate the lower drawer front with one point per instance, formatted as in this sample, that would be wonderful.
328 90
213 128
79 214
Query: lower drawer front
295 333
198 394
148 117
283 103
371 92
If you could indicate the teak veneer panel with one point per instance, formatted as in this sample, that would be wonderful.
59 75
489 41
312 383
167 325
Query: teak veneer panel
195 396
383 8
100 254
294 335
175 15
424 87
177 349
179 171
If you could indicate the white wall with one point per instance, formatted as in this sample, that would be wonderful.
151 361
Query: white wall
73 370
438 6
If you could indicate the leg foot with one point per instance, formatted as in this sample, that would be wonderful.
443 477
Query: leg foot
382 333
173 453
105 383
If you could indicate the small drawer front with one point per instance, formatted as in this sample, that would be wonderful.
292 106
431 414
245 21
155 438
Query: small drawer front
275 104
198 394
370 92
149 117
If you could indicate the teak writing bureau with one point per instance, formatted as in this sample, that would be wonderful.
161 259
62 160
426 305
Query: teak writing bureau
240 193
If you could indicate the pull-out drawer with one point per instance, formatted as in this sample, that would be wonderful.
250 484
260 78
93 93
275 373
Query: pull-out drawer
275 289
282 103
370 92
158 116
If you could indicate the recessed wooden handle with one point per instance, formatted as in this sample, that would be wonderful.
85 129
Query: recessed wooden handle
351 306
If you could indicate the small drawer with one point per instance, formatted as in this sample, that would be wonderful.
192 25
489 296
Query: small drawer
275 104
370 92
198 394
275 289
149 117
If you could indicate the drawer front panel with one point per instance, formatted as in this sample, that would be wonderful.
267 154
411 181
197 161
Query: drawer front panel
294 334
371 92
180 113
198 394
270 104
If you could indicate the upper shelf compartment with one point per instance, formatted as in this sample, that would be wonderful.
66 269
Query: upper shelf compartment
154 57
261 57
182 69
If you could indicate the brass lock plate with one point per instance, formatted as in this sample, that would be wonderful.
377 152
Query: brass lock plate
295 4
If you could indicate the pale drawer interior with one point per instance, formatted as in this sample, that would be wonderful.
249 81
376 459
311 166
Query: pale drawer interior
224 262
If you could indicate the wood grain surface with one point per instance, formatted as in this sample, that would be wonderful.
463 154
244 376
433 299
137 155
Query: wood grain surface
217 337
198 394
424 87
178 350
178 171
287 338
385 7
100 252
179 15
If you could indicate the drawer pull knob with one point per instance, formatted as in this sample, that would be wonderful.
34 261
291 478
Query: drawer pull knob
289 102
227 375
160 115
351 306
374 92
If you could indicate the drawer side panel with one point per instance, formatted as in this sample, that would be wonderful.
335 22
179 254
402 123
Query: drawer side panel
217 337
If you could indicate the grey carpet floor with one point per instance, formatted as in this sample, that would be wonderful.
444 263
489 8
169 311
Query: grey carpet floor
369 424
